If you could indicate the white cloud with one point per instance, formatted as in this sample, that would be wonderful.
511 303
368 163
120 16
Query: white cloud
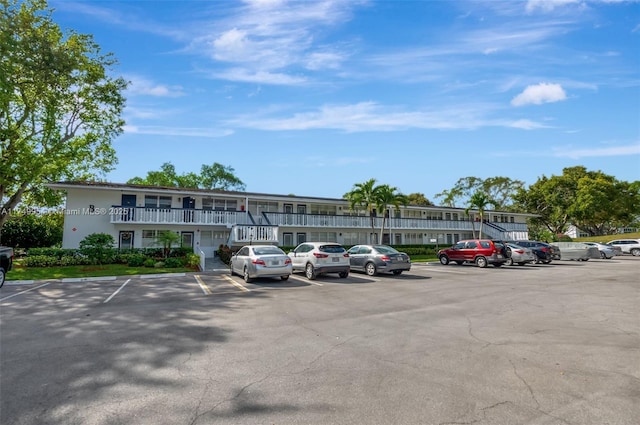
539 94
176 131
570 152
142 86
527 125
259 77
547 5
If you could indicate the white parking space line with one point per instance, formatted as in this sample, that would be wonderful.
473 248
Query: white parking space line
443 269
116 293
205 288
24 292
236 284
300 279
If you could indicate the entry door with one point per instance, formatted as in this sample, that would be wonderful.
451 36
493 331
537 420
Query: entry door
188 203
128 203
186 239
302 238
126 239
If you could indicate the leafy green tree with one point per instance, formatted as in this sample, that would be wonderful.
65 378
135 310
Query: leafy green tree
33 229
215 176
364 197
59 107
595 202
501 190
478 201
418 199
99 247
387 196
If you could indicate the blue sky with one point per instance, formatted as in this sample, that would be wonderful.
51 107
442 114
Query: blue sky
309 98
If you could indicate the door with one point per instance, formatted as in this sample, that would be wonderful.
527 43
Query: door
125 239
188 203
186 240
288 214
128 203
299 259
301 237
302 215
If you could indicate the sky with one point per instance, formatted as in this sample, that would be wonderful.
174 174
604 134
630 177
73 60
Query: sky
311 97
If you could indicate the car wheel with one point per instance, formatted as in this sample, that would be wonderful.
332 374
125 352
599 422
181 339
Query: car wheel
481 262
397 272
509 261
245 275
343 274
459 262
2 277
497 265
522 264
635 252
310 272
603 255
284 277
444 260
370 269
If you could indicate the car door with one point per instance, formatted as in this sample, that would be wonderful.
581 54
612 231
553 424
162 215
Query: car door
469 251
239 259
355 258
456 253
299 256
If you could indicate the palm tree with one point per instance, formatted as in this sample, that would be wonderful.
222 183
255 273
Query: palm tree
388 197
167 238
364 196
478 201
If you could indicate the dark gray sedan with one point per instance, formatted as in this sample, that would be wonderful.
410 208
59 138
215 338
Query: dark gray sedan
373 259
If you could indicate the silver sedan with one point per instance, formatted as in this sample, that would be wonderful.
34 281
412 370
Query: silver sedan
521 255
374 259
255 261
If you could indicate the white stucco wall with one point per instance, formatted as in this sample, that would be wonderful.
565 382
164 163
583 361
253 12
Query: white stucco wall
79 221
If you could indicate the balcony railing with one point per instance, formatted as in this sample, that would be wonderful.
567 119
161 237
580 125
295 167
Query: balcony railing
243 234
142 215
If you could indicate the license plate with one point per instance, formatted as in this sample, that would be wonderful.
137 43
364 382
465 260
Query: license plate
336 259
275 263
499 255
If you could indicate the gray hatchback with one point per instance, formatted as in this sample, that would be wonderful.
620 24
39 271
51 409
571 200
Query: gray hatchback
373 259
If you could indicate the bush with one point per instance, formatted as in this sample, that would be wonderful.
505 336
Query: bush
41 261
53 252
225 253
98 247
149 262
193 260
173 263
136 260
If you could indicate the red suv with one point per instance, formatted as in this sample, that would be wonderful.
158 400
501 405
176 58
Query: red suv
479 251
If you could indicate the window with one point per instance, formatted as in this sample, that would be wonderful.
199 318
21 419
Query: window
324 236
153 201
471 245
207 203
287 239
323 209
149 238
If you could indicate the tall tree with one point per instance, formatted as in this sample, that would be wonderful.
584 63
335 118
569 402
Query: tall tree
593 201
418 199
478 201
501 190
215 176
387 196
59 107
363 196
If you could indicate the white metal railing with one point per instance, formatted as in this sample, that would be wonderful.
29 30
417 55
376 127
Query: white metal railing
176 216
246 234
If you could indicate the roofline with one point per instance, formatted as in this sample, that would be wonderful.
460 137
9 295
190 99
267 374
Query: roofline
63 185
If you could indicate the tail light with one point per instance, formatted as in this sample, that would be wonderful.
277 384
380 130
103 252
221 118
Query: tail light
346 255
287 261
385 258
259 262
320 255
545 249
519 251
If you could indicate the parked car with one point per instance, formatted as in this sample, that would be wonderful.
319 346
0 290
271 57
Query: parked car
544 251
628 246
255 261
577 251
606 251
519 255
6 262
316 258
374 259
479 251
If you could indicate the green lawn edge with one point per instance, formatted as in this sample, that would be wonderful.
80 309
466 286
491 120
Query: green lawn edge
46 273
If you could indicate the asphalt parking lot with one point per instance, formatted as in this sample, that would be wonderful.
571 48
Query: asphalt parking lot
539 344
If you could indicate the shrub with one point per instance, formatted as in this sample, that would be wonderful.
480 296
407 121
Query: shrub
225 253
98 247
193 260
53 252
173 263
159 265
41 261
149 262
136 260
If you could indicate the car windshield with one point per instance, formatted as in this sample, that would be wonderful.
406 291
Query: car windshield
383 249
332 249
264 250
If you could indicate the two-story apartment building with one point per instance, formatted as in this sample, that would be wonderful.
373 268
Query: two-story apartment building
205 219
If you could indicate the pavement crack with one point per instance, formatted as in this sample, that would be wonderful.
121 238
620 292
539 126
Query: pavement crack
524 381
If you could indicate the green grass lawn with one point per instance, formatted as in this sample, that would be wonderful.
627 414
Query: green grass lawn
19 272
605 239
